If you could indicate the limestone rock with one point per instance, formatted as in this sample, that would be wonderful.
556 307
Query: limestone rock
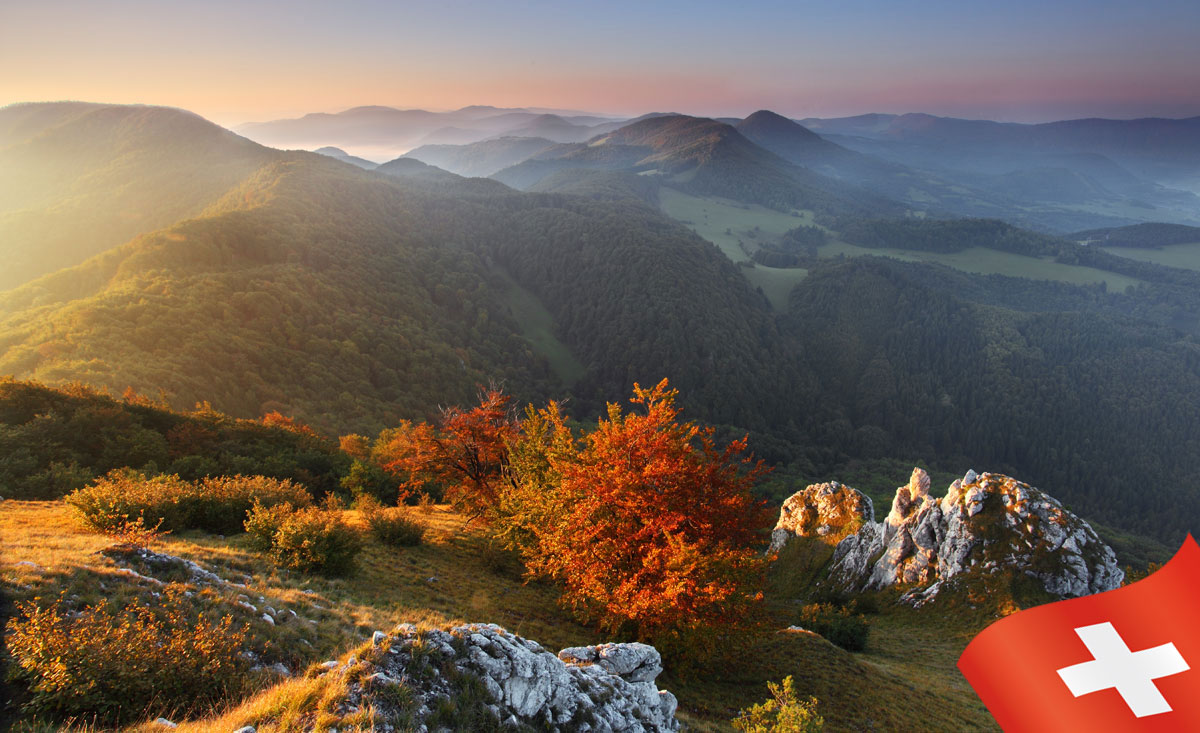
608 687
985 523
822 510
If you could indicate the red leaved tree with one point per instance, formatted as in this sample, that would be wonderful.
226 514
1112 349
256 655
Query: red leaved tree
464 453
658 527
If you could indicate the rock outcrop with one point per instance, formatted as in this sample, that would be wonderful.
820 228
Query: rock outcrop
987 523
827 510
609 687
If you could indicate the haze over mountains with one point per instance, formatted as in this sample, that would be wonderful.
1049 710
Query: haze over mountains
733 259
1058 177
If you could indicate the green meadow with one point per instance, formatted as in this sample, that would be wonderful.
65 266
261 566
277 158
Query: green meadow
1185 256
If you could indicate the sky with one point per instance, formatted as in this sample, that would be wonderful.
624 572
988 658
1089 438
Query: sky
237 62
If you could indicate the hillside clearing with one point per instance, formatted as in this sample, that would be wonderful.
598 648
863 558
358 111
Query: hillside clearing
455 577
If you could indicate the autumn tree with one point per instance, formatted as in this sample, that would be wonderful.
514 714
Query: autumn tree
655 527
464 453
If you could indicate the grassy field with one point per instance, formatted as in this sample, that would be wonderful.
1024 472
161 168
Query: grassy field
537 326
1186 256
905 680
725 222
985 261
737 229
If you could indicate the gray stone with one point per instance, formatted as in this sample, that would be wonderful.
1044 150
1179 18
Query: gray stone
610 684
925 542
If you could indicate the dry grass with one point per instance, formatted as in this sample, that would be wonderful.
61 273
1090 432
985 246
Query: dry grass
906 680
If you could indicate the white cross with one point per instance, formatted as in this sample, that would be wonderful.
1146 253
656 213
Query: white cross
1131 673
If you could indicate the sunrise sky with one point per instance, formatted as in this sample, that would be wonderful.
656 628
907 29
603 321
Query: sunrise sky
235 62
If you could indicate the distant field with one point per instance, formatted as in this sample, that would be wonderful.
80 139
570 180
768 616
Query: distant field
537 326
985 261
724 222
1186 256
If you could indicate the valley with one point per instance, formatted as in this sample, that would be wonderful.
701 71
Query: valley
322 328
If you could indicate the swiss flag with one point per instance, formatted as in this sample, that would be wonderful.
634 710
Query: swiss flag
1125 660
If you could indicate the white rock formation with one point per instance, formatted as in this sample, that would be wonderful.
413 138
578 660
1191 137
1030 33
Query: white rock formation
609 687
988 522
826 510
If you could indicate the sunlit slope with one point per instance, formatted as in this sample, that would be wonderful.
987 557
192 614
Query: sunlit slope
330 295
77 179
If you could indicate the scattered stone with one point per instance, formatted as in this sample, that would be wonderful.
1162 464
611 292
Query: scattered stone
246 729
267 618
985 523
165 723
161 563
378 638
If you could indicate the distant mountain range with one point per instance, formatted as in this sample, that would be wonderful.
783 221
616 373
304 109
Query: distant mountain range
159 251
1061 176
382 133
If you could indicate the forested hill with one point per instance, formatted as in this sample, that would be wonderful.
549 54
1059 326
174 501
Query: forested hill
77 179
353 299
705 157
1140 235
323 291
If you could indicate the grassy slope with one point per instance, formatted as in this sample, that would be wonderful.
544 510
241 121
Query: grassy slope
537 327
725 223
986 261
1185 256
905 681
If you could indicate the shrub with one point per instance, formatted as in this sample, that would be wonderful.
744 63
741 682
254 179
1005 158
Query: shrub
263 523
309 540
115 666
837 624
394 527
783 713
211 504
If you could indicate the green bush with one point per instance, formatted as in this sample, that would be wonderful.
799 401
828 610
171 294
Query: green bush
395 528
783 713
309 540
111 666
263 522
216 505
837 624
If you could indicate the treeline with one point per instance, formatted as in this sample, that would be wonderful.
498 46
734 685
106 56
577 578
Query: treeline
1149 235
53 441
794 249
945 235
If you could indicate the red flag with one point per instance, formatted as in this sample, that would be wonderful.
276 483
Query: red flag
1125 660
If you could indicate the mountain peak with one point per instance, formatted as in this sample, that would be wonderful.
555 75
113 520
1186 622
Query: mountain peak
766 122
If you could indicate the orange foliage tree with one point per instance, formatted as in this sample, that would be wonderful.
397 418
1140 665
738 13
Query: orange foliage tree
655 527
464 454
